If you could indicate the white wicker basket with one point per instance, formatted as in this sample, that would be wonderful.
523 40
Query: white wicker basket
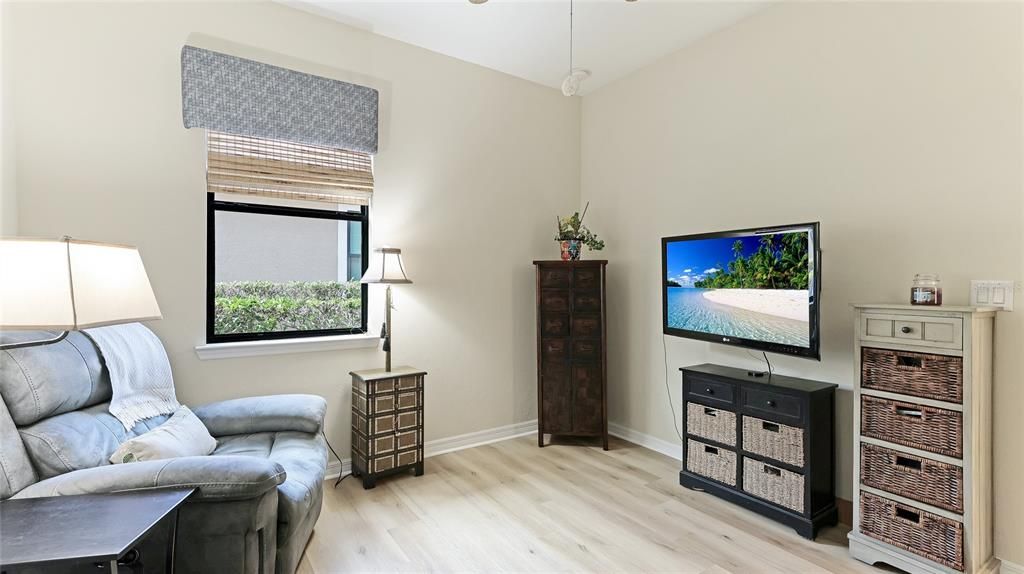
712 424
773 440
775 484
710 461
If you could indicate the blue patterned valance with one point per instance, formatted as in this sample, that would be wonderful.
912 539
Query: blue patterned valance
243 97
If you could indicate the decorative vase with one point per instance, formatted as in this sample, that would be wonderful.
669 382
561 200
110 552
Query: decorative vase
571 249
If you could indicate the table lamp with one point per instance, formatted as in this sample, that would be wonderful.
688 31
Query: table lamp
68 284
386 267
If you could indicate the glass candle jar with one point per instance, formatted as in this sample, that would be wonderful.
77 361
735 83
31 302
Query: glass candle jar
927 290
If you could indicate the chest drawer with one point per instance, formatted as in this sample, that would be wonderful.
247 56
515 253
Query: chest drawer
773 405
914 477
707 390
938 377
554 300
554 276
586 350
940 332
554 325
926 428
774 440
586 278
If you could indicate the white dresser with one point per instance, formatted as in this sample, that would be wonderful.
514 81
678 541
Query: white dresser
922 499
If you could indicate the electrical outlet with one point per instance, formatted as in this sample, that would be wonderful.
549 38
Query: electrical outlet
992 293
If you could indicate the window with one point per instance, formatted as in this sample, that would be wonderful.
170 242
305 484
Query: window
287 241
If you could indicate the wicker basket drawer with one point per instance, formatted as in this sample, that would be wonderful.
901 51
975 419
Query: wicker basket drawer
927 428
712 462
936 377
937 538
774 440
914 477
712 424
774 484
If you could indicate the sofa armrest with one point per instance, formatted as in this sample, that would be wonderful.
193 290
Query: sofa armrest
215 478
272 413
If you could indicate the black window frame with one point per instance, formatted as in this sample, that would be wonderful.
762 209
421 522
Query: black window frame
213 205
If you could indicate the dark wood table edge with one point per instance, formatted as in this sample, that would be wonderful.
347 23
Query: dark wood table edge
186 493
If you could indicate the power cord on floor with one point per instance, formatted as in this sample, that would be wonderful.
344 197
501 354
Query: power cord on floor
668 389
335 453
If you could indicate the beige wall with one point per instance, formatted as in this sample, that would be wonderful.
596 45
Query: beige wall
8 193
898 126
473 165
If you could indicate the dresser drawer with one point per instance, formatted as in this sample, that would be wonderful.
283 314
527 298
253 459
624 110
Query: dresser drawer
554 325
554 301
586 302
584 326
554 349
554 276
711 462
942 332
915 477
774 484
774 440
937 538
773 405
938 377
711 423
706 390
586 350
586 278
927 428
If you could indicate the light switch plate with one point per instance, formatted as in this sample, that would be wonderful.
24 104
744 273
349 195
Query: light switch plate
992 293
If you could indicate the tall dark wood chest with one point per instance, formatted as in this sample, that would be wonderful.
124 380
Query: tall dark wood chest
571 349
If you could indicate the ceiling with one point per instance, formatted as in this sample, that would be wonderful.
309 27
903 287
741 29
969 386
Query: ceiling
530 38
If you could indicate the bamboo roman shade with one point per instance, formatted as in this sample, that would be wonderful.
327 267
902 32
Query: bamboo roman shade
279 169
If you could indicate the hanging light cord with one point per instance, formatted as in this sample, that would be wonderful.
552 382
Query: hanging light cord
570 36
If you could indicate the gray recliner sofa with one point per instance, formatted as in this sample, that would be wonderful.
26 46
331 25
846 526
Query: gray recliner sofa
259 493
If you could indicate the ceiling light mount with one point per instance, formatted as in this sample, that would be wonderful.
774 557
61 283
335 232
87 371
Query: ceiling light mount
571 83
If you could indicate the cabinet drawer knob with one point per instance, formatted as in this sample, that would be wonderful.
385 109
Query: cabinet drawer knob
709 391
770 403
905 329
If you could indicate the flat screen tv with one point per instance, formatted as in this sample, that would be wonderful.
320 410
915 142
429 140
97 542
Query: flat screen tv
753 288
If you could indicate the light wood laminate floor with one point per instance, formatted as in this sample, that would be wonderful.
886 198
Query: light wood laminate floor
511 506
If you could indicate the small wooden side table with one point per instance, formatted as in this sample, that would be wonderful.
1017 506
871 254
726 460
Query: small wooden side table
387 423
123 532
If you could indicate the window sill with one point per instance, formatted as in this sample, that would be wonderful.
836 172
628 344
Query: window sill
215 351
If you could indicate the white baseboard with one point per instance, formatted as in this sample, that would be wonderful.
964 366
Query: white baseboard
1008 567
667 448
452 444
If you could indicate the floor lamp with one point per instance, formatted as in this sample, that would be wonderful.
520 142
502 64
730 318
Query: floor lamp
386 268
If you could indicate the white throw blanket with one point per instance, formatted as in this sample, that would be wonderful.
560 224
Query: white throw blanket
140 373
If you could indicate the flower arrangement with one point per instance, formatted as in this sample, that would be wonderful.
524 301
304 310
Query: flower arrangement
572 234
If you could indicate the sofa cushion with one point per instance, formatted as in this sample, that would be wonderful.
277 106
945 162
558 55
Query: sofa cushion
303 457
182 435
16 471
79 439
43 381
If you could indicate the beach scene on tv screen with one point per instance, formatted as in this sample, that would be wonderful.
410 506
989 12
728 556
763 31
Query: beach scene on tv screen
752 287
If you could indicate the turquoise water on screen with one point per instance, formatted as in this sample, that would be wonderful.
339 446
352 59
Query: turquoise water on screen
689 309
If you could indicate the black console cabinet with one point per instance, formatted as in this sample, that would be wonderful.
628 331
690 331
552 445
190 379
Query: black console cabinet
765 443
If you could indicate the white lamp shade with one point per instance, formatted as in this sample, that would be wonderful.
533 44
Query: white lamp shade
385 267
71 285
